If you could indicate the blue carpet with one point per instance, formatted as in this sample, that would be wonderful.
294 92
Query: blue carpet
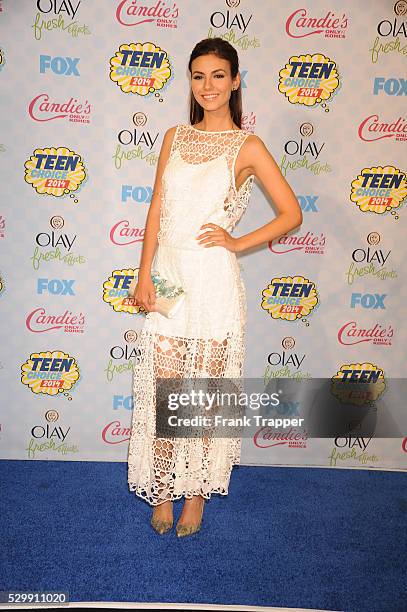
290 537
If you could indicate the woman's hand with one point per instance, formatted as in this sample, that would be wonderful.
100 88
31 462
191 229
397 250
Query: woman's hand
218 237
144 293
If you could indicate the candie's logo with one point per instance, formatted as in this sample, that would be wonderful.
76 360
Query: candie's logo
309 79
133 13
373 128
290 298
45 108
309 243
116 291
140 68
353 333
379 190
301 24
50 372
358 383
55 171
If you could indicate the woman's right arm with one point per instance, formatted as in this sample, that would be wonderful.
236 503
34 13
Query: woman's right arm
144 293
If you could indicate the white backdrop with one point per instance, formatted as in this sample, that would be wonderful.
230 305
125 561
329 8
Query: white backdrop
323 87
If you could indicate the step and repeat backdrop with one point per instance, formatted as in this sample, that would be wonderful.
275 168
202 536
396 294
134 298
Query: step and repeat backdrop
88 89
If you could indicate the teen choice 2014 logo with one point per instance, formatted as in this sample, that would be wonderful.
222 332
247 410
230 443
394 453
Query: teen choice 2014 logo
309 79
55 171
358 383
290 298
50 372
140 68
116 291
380 190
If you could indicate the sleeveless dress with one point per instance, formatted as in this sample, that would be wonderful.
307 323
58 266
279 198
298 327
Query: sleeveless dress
206 336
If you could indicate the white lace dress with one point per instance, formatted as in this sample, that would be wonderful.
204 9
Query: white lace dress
206 337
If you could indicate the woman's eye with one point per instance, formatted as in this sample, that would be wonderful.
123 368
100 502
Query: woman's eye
220 76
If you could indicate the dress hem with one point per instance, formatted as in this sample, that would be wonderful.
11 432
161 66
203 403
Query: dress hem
141 491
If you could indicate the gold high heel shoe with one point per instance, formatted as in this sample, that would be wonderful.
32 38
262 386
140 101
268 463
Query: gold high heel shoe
161 526
185 530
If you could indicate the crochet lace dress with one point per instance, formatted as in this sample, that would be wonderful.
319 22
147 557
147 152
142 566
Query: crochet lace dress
206 337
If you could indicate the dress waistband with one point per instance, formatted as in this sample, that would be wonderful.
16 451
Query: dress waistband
183 247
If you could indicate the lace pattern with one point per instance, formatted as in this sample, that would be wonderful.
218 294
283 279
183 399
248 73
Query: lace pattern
206 338
215 154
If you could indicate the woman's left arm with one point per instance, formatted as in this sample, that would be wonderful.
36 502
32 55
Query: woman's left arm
264 167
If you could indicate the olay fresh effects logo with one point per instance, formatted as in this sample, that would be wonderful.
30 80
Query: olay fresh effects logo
370 261
123 357
2 227
141 68
301 24
232 26
309 80
373 128
43 108
354 333
356 447
56 171
58 15
392 33
116 291
309 243
50 437
61 244
358 383
380 190
290 298
304 153
285 363
123 233
137 143
137 12
50 372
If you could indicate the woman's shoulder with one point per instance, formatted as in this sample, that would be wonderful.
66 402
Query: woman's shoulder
252 141
169 136
170 132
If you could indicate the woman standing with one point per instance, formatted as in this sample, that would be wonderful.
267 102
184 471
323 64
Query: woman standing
203 182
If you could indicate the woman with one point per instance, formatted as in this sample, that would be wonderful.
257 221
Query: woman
203 182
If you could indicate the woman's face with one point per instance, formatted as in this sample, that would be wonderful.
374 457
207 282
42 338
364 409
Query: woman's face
211 81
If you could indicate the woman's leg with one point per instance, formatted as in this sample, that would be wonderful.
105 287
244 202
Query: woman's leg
210 362
169 359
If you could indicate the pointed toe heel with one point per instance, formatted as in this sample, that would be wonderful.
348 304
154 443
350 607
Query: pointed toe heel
161 527
187 530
